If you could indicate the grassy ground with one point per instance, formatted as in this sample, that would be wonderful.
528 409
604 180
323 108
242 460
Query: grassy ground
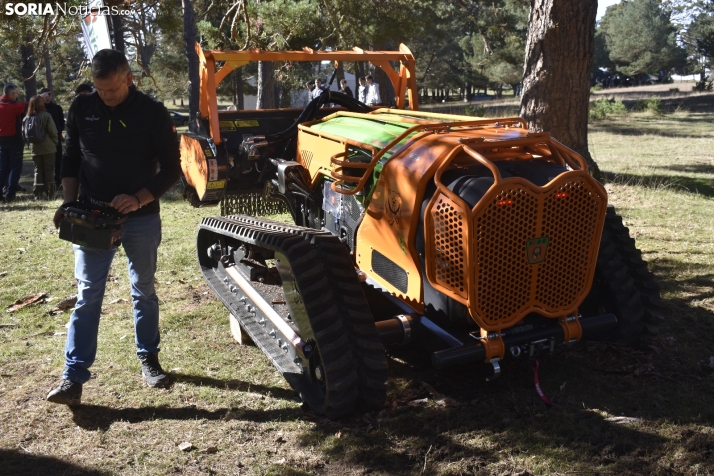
644 410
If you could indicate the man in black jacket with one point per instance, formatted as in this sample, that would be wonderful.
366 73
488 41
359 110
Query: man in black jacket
122 148
57 114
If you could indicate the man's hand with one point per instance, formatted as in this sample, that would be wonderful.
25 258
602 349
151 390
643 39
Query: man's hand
59 215
125 203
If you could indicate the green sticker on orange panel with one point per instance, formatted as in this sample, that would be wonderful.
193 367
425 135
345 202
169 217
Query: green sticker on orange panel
536 248
246 123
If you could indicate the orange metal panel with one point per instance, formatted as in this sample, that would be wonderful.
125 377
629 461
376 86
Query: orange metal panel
315 151
392 217
193 164
202 76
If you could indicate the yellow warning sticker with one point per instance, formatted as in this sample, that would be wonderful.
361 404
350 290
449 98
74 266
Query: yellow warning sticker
208 152
226 125
217 184
246 123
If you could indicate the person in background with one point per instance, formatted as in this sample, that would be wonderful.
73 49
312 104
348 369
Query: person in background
84 88
344 89
123 150
372 96
55 110
319 88
362 90
11 144
43 153
306 95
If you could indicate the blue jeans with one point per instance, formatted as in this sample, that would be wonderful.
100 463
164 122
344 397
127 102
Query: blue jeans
10 167
141 239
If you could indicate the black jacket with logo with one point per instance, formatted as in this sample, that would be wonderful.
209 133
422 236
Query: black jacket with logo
121 151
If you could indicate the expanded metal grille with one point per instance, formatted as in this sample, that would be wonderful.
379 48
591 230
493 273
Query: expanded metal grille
449 250
390 271
506 279
569 218
352 206
251 204
306 156
502 273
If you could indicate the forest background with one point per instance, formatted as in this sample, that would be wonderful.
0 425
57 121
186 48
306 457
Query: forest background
462 47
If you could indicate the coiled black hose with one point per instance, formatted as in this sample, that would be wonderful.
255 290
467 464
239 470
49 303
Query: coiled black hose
310 111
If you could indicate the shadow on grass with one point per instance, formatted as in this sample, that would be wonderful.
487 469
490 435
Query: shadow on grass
619 410
234 384
21 463
98 417
701 186
689 168
656 129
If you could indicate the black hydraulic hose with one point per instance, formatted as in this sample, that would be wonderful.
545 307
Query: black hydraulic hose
311 109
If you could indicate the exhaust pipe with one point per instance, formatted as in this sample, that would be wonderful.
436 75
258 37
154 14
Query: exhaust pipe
397 330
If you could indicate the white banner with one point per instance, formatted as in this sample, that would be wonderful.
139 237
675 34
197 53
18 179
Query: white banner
95 29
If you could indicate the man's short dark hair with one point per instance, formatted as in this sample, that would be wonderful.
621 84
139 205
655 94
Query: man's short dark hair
369 76
83 88
8 88
107 63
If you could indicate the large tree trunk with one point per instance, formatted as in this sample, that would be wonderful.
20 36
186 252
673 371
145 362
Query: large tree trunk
556 76
266 85
27 69
238 89
189 38
118 30
359 73
48 71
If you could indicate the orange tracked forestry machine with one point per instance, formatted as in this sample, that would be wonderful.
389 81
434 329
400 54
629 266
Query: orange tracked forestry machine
474 239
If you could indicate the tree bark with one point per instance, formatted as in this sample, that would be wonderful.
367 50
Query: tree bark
556 76
386 90
118 30
27 70
238 89
48 71
266 85
189 38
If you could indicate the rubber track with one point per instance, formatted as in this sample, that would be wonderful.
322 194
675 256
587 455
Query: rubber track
614 282
331 293
643 277
356 316
331 339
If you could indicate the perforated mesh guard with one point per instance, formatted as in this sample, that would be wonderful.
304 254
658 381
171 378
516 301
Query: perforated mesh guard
503 287
389 271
